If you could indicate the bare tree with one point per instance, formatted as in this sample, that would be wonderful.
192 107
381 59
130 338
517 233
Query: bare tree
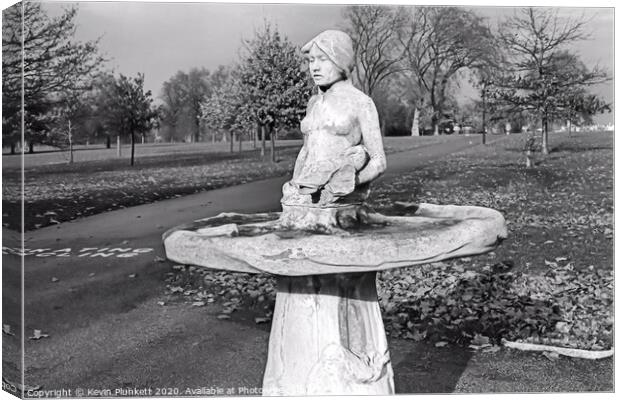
377 51
540 72
439 42
41 53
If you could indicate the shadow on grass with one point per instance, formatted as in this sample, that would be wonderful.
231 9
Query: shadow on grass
572 148
478 309
423 368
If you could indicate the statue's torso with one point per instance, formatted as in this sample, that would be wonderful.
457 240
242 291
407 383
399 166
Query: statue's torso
330 125
333 147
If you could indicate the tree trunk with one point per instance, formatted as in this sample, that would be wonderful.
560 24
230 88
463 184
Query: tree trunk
13 148
118 146
212 136
274 133
545 137
70 144
108 142
232 141
240 141
254 134
528 158
415 125
197 133
484 117
382 126
530 144
262 141
133 146
31 147
143 138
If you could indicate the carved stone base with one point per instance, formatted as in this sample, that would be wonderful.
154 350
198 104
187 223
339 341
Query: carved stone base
327 337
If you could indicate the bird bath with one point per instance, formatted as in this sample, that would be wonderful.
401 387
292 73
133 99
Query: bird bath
326 246
327 334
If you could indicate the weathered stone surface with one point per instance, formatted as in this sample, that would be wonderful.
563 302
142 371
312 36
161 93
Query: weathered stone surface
327 338
431 233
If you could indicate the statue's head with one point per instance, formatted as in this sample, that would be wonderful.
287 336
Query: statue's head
331 57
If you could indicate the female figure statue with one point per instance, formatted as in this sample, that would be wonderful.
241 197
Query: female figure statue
343 149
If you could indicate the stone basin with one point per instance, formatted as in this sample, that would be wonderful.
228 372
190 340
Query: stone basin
327 335
258 243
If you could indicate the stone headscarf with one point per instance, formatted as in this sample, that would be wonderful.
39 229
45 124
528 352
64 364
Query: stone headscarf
338 46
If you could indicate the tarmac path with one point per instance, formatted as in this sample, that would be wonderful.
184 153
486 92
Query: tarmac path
93 285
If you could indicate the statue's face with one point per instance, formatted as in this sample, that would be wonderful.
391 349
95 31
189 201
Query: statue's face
323 70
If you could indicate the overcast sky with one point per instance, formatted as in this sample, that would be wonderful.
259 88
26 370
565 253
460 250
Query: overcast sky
159 39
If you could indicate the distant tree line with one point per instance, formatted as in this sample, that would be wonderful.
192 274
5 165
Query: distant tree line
410 60
262 94
65 96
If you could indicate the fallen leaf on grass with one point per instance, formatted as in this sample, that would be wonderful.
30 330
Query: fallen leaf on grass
198 303
159 259
551 264
38 334
551 355
480 340
261 320
223 316
492 349
54 279
132 275
161 303
7 330
441 344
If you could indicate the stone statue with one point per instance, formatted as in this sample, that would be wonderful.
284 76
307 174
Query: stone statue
343 150
342 139
327 334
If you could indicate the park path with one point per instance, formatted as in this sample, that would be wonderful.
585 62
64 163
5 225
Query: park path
109 331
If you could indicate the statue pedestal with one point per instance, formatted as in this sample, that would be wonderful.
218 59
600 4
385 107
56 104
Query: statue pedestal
327 337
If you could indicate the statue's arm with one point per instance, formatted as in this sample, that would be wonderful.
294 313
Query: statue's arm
371 138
